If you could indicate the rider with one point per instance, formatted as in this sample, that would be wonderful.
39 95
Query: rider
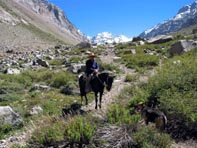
91 65
92 69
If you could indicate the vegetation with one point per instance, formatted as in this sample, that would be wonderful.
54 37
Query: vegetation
120 115
173 89
148 137
78 130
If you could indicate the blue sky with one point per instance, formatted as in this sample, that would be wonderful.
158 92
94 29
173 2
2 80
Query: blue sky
128 17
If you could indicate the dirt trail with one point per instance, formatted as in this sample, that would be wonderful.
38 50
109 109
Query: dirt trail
118 85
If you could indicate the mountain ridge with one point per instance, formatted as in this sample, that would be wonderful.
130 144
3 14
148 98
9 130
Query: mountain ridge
185 17
39 21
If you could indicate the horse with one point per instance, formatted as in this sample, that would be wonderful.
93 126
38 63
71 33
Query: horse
97 83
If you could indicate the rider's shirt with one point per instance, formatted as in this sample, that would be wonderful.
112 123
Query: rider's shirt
91 65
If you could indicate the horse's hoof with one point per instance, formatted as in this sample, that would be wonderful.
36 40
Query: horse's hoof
99 106
95 107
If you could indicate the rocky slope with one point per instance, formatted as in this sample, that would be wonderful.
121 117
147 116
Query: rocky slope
34 23
186 16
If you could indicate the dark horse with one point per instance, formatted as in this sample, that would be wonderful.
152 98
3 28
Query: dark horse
98 83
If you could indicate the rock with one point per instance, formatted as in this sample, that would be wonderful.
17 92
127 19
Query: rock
26 65
77 68
116 59
182 46
133 51
8 116
83 45
42 62
49 57
160 39
68 89
40 87
36 110
12 71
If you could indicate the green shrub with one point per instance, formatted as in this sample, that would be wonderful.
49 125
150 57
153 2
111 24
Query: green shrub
5 129
148 137
79 130
109 67
130 78
62 79
20 146
120 115
49 133
140 60
56 62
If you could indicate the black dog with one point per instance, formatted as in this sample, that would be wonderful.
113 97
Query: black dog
155 116
73 109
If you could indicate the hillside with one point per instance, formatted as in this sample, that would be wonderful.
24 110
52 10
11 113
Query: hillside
34 24
186 17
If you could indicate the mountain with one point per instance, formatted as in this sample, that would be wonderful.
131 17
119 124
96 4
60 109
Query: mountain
31 23
186 16
106 37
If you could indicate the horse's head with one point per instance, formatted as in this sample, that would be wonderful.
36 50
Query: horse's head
109 82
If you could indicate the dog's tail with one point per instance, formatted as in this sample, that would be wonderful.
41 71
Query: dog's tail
161 122
165 121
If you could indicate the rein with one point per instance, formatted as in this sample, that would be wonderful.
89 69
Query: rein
103 83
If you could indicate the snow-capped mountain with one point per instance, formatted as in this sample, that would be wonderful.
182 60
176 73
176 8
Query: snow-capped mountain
186 16
108 38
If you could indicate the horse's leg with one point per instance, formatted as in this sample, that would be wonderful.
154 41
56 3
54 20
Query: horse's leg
96 99
81 99
100 98
86 99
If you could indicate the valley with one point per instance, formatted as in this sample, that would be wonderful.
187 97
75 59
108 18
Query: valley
41 57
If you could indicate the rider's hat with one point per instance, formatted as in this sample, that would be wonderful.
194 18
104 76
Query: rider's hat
91 54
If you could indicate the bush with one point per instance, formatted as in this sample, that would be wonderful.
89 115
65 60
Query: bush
148 137
140 60
5 129
109 67
62 79
51 132
120 115
56 62
130 78
79 130
173 89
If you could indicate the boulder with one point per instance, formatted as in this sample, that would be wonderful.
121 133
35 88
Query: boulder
36 110
40 87
12 71
69 89
77 68
8 116
182 46
133 51
160 39
83 45
42 63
